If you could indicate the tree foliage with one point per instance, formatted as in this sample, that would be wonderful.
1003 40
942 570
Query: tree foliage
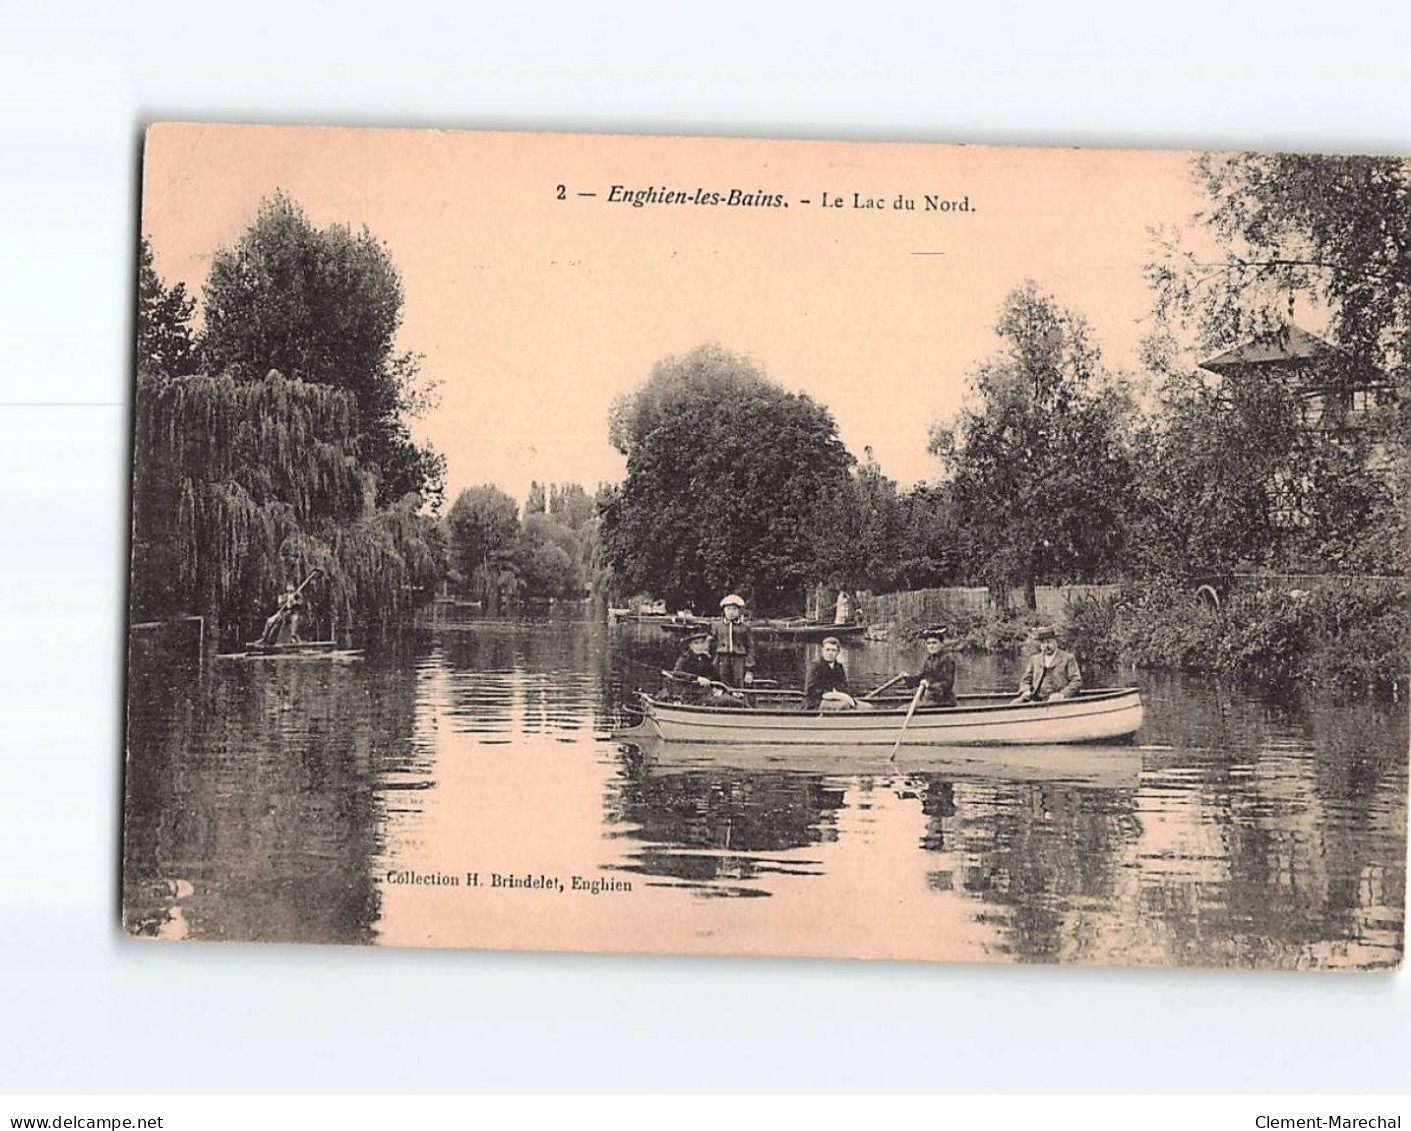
243 485
1040 473
1237 463
498 556
165 344
728 479
547 557
482 528
1216 487
323 305
571 504
1334 230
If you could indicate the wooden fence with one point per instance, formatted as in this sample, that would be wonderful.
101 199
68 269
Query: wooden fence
1052 602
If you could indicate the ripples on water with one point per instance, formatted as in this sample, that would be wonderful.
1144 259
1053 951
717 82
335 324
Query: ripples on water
273 801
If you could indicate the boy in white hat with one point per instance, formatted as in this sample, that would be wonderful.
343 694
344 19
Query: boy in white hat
734 644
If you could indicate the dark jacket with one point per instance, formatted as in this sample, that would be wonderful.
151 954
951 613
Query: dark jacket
693 664
1062 680
823 677
939 673
733 639
689 665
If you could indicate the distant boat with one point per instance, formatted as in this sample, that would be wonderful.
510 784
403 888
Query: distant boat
779 629
620 616
459 602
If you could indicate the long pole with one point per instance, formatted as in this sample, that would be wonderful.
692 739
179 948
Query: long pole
915 699
284 612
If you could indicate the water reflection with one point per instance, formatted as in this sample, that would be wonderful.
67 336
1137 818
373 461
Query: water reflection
715 831
257 797
282 801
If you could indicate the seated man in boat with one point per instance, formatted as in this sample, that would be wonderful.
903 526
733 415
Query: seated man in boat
826 685
283 626
694 673
937 671
1051 673
734 644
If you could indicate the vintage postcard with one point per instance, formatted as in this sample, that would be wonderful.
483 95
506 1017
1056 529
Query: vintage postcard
716 546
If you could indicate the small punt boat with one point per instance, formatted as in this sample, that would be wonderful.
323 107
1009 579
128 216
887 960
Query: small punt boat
304 650
1097 716
806 630
778 629
627 616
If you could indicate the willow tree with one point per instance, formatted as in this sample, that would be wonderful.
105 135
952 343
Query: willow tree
240 486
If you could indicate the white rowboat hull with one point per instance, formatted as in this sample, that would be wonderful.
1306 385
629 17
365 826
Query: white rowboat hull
1092 717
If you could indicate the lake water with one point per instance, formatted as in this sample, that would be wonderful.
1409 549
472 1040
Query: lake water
334 802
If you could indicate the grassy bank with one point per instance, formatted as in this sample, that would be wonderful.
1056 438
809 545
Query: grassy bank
1353 637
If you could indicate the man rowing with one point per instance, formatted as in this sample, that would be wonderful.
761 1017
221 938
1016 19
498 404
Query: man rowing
1051 673
937 673
734 644
826 685
694 673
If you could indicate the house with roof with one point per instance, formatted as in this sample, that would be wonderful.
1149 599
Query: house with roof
1338 394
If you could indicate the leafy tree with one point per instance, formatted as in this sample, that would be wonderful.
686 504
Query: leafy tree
727 480
547 557
571 503
861 531
931 553
1334 230
1040 473
165 346
323 305
482 529
1216 488
1331 234
537 502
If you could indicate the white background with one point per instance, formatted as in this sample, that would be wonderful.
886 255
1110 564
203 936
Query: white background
81 1008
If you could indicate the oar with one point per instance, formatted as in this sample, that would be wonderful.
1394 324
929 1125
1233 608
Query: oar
915 699
879 690
711 682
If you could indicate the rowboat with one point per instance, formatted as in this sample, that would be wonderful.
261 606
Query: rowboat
1097 716
304 650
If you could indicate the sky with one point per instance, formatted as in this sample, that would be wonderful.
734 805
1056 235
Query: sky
535 312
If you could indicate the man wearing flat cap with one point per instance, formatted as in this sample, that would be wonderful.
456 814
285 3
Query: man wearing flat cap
937 670
1051 673
734 644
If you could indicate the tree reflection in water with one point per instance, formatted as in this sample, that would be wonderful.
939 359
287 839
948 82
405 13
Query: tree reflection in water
707 828
258 794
